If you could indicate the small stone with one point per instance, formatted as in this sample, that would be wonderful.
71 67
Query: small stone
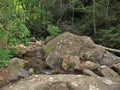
51 78
11 86
61 41
70 43
108 81
58 43
91 87
36 76
31 71
75 84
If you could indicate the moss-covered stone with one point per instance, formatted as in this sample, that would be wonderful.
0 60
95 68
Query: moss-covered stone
68 44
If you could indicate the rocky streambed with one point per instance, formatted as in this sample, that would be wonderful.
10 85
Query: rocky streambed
67 62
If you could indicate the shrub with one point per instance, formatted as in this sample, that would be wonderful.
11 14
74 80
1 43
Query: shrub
18 34
4 57
53 30
110 37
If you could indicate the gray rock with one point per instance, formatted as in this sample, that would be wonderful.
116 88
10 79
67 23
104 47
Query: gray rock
65 82
21 49
83 47
74 63
90 73
16 69
117 67
71 63
89 65
53 61
109 59
107 72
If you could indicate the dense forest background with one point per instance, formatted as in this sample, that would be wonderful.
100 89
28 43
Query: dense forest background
22 19
99 19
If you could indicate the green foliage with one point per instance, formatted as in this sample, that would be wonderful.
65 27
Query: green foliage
12 23
4 57
53 30
19 18
18 34
111 36
2 33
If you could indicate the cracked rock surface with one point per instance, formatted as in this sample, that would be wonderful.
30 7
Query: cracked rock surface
65 82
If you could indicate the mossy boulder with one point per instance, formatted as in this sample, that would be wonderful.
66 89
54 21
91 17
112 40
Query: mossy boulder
68 44
16 69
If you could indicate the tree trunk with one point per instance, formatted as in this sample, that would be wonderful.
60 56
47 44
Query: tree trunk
94 18
107 12
1 44
72 13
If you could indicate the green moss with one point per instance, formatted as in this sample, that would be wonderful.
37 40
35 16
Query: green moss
49 47
93 56
58 63
77 40
71 65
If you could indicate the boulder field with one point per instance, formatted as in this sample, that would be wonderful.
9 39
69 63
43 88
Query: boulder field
67 62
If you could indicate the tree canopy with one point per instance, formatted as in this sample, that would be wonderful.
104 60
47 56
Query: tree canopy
21 19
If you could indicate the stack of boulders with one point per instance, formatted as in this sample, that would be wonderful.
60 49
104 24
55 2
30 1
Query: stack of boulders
70 52
67 53
25 60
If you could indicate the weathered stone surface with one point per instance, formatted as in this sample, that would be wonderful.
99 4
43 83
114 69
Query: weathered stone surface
107 72
21 49
74 63
65 82
35 60
89 65
117 67
3 73
16 69
53 61
109 59
82 47
33 54
36 64
90 73
71 63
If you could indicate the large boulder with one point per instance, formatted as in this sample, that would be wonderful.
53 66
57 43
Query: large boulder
16 69
69 50
65 82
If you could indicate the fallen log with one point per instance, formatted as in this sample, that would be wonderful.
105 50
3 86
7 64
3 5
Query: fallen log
112 50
